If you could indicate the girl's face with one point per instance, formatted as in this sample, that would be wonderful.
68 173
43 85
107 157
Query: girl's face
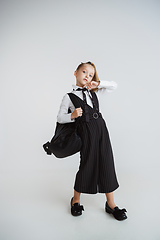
84 75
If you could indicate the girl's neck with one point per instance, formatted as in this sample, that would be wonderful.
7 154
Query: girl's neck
80 85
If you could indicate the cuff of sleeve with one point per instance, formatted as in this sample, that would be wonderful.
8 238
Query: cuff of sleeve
65 119
108 84
69 116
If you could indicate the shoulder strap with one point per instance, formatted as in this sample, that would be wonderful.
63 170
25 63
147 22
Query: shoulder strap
74 100
94 96
76 105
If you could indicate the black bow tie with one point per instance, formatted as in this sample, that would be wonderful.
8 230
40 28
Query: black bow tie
82 89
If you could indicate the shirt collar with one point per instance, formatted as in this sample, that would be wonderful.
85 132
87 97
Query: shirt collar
75 87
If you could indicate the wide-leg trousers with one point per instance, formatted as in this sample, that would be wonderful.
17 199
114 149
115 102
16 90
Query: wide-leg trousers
96 171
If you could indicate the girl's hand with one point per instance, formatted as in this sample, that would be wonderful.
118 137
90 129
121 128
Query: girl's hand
92 85
76 113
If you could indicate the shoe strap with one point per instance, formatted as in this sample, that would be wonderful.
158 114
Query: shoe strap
78 207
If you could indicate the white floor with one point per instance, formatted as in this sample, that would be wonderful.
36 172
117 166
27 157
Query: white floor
33 207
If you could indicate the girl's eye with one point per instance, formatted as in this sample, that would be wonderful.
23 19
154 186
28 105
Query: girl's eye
90 75
84 71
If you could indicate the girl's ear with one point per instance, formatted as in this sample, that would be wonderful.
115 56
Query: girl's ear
75 73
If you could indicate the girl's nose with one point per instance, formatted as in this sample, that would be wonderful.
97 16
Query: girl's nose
87 76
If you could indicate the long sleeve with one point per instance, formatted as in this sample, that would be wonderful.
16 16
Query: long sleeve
106 86
63 115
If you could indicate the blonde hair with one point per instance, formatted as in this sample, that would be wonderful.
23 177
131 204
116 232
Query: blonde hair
95 77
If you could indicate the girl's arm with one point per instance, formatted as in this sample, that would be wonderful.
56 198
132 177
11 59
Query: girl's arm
102 86
63 115
107 85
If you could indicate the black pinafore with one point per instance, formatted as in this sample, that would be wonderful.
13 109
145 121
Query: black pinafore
96 171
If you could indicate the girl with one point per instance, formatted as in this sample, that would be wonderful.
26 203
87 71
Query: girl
96 171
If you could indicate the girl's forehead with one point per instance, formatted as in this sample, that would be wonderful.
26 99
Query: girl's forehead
88 67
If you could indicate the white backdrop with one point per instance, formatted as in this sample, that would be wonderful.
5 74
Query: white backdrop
41 44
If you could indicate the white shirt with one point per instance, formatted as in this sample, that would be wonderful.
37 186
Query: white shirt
65 117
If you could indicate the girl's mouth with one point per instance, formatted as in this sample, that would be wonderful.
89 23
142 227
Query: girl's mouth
85 80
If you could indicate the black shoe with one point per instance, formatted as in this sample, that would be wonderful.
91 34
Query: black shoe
119 214
76 209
